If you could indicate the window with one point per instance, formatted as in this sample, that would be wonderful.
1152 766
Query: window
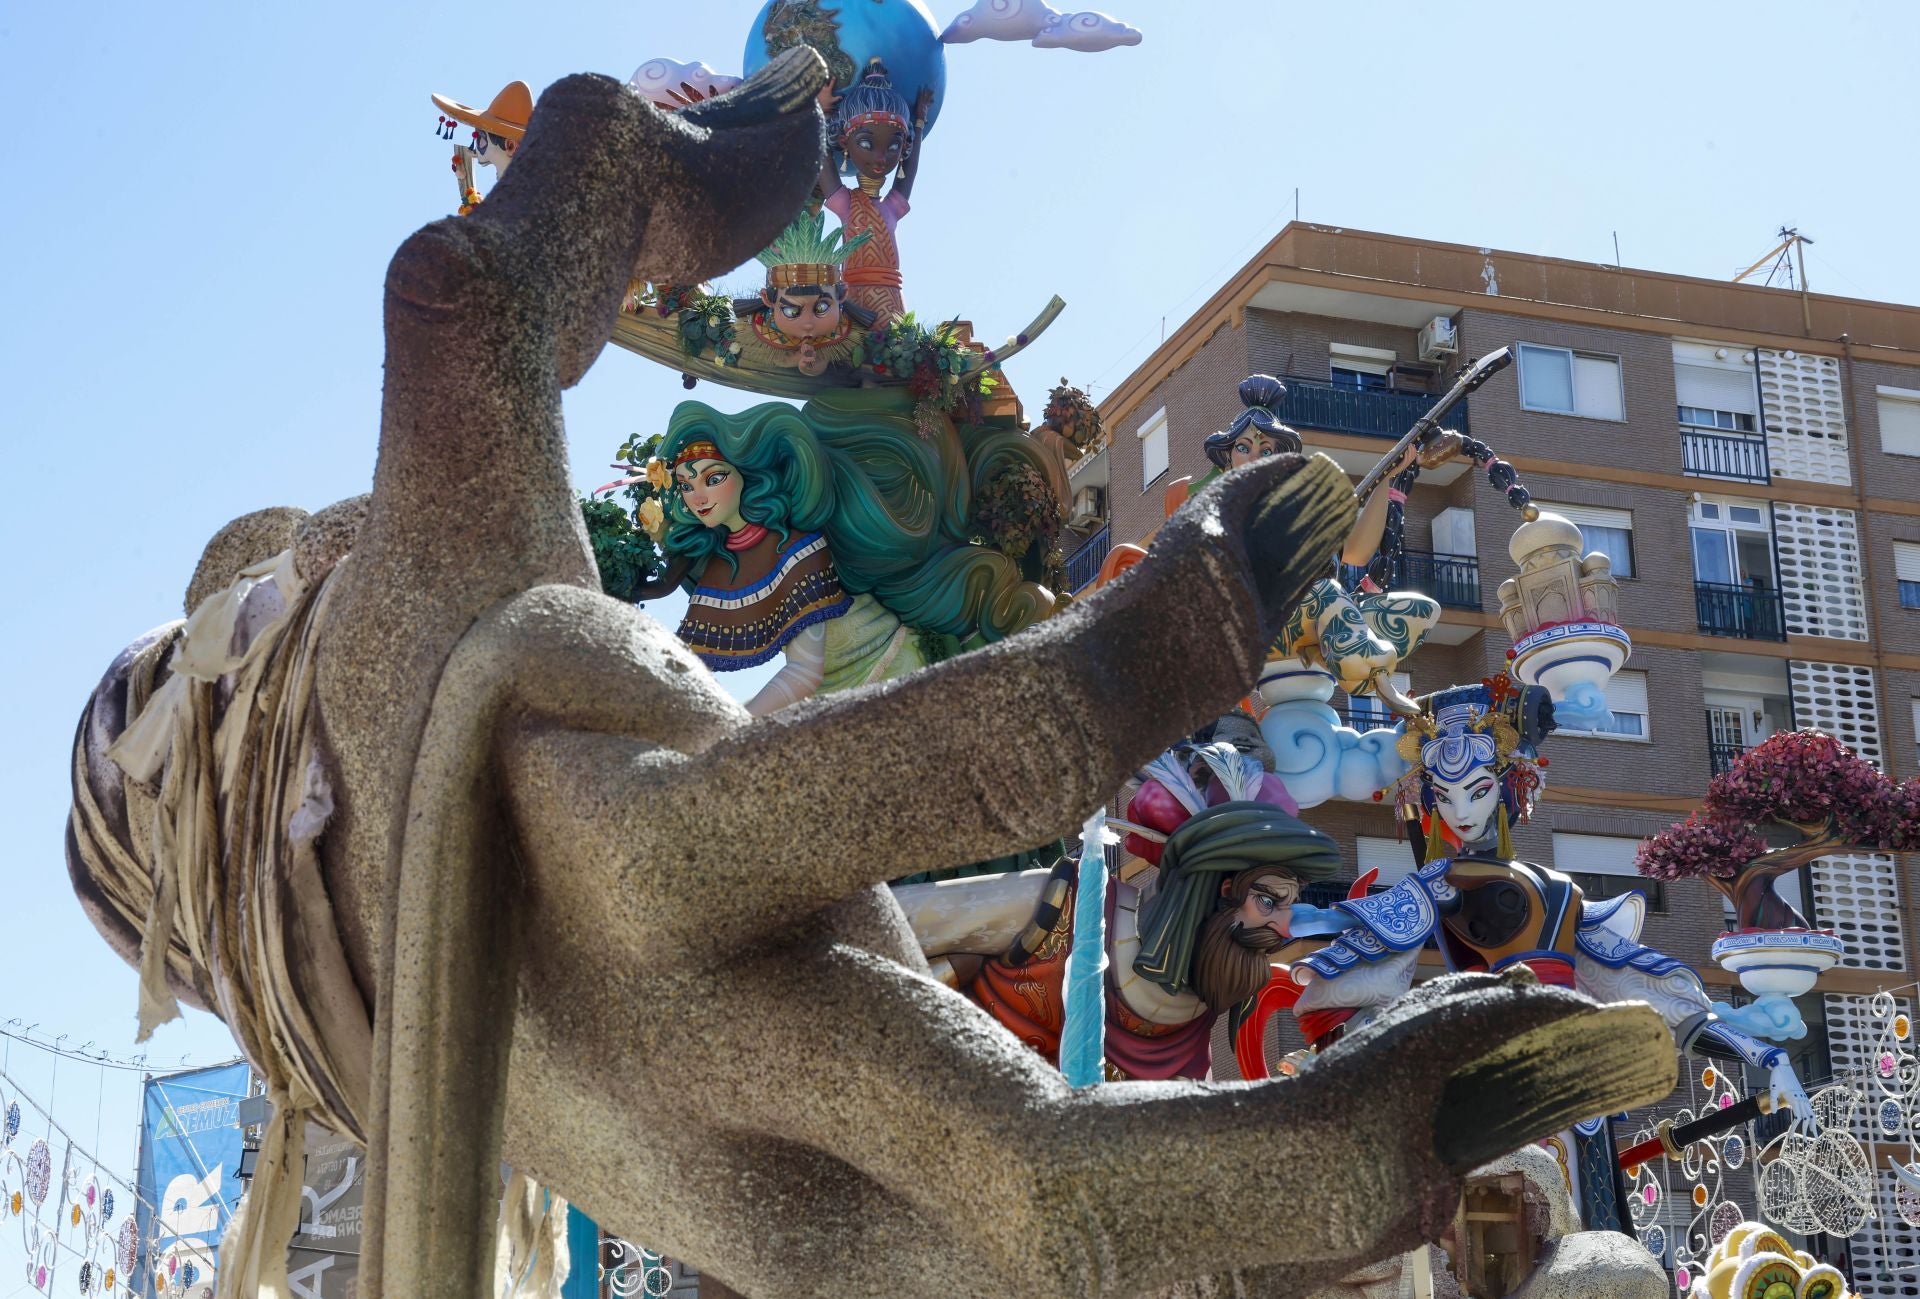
1916 728
1717 421
1153 448
1363 369
1602 865
1393 858
1608 531
1627 697
1732 544
1367 712
1714 394
1899 421
1570 383
1906 571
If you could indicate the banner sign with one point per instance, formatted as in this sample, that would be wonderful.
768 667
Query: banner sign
324 1262
189 1154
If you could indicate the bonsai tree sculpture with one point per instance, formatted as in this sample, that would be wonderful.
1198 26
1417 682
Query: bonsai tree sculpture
1796 796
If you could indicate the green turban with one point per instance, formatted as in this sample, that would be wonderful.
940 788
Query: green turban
1213 845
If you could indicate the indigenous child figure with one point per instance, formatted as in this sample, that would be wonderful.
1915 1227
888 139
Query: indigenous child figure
874 135
802 318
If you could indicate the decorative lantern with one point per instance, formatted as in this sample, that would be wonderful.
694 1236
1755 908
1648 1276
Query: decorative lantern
1562 611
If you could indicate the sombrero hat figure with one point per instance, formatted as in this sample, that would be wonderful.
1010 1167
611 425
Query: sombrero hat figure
497 130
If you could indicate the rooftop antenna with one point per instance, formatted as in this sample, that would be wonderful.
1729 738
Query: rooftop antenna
1788 256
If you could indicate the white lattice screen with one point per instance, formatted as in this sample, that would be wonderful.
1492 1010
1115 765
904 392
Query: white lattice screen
1885 1255
1805 417
1838 698
1857 895
1853 1047
1820 571
1886 1252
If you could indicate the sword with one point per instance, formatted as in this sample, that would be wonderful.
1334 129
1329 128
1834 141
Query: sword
1673 1141
1474 375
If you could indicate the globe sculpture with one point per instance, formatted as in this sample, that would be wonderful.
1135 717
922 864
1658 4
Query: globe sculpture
900 33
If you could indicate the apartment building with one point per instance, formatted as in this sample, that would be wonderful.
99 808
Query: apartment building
1748 457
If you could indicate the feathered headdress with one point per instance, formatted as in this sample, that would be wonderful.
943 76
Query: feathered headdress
806 252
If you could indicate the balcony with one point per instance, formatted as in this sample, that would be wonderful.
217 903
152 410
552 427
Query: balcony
1733 457
1742 611
1453 580
1721 756
1084 564
1317 404
1365 713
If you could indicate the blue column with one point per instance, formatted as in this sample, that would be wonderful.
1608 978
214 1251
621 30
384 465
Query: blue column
583 1245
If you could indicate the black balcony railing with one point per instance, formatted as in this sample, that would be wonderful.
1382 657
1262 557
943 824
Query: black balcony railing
1721 756
1743 611
1453 580
1317 404
1366 713
1084 564
1735 457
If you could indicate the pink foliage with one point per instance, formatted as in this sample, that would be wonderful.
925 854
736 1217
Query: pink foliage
1801 776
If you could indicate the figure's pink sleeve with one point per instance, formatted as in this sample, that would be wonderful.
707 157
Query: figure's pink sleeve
838 202
894 206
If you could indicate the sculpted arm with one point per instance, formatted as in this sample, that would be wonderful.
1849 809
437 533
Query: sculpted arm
983 755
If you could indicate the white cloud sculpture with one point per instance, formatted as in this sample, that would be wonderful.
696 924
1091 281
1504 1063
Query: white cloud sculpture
999 20
1089 32
1046 28
671 84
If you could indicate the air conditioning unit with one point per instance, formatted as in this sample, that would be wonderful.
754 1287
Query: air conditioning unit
1438 340
1088 504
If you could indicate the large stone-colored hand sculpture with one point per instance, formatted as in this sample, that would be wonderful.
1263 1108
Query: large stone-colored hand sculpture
607 927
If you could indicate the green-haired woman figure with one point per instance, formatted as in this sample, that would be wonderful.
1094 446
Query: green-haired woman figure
836 535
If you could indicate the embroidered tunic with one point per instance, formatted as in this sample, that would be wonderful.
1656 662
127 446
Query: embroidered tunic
741 619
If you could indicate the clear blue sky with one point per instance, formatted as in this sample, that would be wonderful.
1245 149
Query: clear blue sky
202 199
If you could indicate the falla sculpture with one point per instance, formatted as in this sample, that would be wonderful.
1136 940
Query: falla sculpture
481 865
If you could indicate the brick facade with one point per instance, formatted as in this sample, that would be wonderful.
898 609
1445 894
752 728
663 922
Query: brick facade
1632 464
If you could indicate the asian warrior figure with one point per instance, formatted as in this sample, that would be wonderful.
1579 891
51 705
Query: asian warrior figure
1474 773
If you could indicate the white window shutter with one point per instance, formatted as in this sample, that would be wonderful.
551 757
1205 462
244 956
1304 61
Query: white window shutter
1596 387
1899 421
1153 448
1715 388
1906 561
1627 693
1393 858
1594 854
1591 516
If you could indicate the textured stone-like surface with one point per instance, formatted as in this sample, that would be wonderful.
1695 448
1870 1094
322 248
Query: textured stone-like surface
1596 1265
634 941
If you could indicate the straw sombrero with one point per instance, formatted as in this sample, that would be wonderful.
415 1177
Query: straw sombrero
506 116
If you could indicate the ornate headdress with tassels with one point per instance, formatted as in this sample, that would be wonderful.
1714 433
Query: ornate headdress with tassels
1496 725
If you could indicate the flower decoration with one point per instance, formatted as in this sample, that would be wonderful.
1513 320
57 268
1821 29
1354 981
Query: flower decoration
627 556
652 518
1500 689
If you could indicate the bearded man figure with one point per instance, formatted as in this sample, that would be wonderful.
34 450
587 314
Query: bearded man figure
1193 944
